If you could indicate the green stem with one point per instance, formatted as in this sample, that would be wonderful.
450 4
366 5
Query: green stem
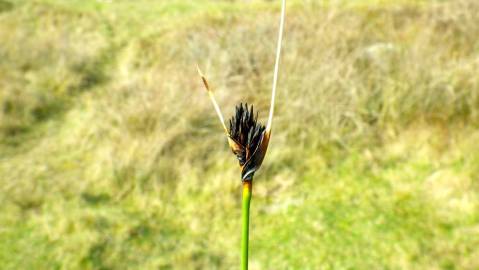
247 190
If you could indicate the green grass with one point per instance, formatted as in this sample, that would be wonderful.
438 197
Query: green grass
111 156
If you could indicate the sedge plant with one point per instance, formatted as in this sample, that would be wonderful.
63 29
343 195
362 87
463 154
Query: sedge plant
249 140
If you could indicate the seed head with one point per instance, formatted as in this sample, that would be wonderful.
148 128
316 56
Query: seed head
248 140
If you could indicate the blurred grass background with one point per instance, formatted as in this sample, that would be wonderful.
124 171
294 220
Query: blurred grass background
111 156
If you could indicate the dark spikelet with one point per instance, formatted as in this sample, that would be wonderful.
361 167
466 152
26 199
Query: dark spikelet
245 131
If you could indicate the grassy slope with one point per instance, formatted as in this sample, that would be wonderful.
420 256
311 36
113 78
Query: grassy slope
111 156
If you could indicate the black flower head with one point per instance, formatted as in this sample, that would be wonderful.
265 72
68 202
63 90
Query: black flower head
248 140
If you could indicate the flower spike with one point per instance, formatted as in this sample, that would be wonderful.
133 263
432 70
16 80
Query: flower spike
247 136
249 140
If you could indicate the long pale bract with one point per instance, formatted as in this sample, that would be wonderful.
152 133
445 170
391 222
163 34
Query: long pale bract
256 160
213 100
276 68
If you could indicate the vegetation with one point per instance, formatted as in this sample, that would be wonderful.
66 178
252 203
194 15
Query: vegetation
111 157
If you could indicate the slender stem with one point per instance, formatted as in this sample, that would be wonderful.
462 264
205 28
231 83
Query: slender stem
247 191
